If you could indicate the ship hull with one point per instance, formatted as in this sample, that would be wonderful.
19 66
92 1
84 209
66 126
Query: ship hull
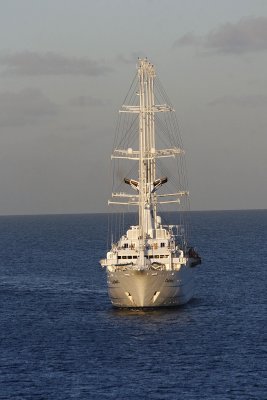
150 288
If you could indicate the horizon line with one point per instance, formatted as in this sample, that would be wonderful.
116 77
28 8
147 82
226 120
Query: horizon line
127 212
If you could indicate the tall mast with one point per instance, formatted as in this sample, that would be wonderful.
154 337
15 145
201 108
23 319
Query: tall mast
146 75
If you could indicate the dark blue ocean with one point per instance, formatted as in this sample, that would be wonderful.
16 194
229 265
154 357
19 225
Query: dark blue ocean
61 339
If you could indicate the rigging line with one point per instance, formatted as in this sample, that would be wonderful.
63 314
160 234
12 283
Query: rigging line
120 120
184 223
172 136
158 118
180 166
111 175
119 230
176 130
183 174
133 99
131 143
127 131
109 228
125 123
176 182
170 185
163 170
132 138
173 126
162 133
129 173
132 91
120 182
120 223
164 130
179 174
132 83
173 129
187 225
117 130
161 89
130 135
174 121
168 126
122 129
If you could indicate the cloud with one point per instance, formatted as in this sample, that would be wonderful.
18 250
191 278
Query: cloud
25 107
34 64
189 39
87 101
132 58
247 35
251 101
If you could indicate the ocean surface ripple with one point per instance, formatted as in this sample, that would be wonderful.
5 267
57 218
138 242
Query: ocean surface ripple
61 339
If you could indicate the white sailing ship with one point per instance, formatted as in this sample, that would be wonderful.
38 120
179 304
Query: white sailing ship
151 264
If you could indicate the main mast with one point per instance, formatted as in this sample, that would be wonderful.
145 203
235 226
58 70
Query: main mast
146 74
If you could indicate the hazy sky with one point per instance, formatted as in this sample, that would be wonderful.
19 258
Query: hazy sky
66 66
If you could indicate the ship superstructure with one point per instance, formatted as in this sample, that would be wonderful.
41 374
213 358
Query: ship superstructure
151 264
